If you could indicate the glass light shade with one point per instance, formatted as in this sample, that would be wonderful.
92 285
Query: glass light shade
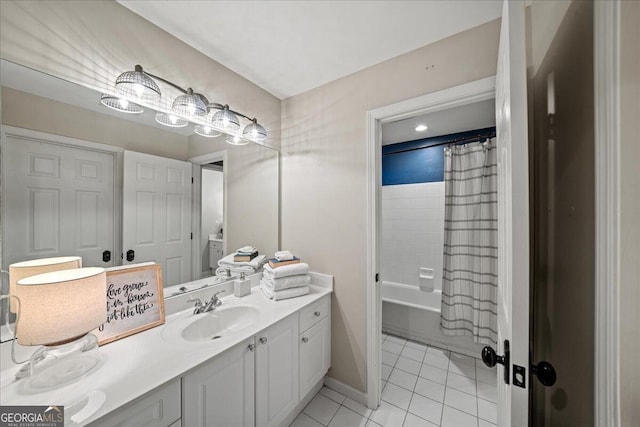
206 131
20 270
120 104
254 131
190 104
236 140
61 306
171 120
137 85
225 120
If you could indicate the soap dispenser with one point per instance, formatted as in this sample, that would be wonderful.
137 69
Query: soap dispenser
241 286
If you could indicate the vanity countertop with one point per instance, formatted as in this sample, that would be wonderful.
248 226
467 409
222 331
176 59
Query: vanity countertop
138 364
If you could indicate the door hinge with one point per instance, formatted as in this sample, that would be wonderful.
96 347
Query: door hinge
191 236
192 180
377 277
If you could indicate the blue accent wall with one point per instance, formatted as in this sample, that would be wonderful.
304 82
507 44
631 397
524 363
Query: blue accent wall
416 161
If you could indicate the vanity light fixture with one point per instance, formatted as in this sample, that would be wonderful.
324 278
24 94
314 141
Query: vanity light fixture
120 104
171 120
190 104
225 120
236 140
139 86
254 131
58 310
206 131
421 128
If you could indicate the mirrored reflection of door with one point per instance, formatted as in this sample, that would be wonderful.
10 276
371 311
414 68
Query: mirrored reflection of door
58 200
156 220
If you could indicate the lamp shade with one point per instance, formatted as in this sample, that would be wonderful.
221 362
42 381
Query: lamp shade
137 85
23 269
225 120
61 306
171 120
120 104
190 104
255 131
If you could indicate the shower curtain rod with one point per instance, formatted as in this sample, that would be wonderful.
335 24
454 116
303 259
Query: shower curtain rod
465 139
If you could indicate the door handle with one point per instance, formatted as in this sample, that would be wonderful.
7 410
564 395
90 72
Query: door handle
545 373
106 256
131 255
490 358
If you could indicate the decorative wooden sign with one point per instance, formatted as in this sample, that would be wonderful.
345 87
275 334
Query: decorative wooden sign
135 301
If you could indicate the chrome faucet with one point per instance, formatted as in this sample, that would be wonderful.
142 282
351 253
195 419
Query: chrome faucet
211 305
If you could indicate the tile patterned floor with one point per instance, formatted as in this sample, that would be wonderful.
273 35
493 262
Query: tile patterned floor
423 386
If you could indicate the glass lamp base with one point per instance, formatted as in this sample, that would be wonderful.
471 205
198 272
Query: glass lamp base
52 366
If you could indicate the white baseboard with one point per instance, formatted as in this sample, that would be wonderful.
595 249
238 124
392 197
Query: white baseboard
348 391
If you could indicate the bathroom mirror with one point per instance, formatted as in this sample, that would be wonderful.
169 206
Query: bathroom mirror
40 109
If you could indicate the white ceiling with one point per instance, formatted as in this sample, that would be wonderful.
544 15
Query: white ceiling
289 47
459 119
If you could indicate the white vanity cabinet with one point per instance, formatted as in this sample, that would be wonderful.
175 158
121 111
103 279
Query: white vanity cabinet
160 408
221 391
314 343
277 372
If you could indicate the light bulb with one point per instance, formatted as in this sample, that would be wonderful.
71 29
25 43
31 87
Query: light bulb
236 139
191 108
139 89
123 103
173 118
207 129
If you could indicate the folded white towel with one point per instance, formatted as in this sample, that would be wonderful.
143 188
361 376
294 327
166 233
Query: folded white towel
255 263
284 256
285 293
287 282
247 249
286 270
222 271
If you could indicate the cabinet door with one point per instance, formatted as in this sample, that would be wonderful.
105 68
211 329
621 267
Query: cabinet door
277 372
221 392
315 354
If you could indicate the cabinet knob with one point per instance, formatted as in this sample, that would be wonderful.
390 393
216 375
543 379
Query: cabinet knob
317 314
305 339
252 347
263 340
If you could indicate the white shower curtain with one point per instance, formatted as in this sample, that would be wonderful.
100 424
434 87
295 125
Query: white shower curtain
470 268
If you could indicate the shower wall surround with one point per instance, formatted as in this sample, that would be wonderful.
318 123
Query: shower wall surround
412 232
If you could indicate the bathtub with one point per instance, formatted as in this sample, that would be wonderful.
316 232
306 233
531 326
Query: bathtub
412 313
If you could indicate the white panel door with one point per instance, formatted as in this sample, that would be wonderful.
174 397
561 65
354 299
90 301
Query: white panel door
513 214
58 200
221 392
156 220
277 372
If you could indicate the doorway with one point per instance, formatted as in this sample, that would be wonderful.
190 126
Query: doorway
212 214
477 91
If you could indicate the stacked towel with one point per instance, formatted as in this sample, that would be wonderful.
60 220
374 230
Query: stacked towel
284 282
247 267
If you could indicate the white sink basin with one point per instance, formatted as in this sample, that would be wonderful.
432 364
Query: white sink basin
220 322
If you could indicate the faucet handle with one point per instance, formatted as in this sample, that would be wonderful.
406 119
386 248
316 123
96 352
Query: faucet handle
215 295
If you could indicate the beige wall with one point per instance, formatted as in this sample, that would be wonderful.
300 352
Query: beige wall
29 111
630 215
324 176
92 42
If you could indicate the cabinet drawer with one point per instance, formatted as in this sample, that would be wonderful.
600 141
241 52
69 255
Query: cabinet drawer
160 408
312 314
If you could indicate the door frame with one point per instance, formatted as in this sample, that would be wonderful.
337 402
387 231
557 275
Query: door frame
196 206
607 209
467 93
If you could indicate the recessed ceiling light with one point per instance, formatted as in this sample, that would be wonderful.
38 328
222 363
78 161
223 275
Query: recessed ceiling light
421 128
